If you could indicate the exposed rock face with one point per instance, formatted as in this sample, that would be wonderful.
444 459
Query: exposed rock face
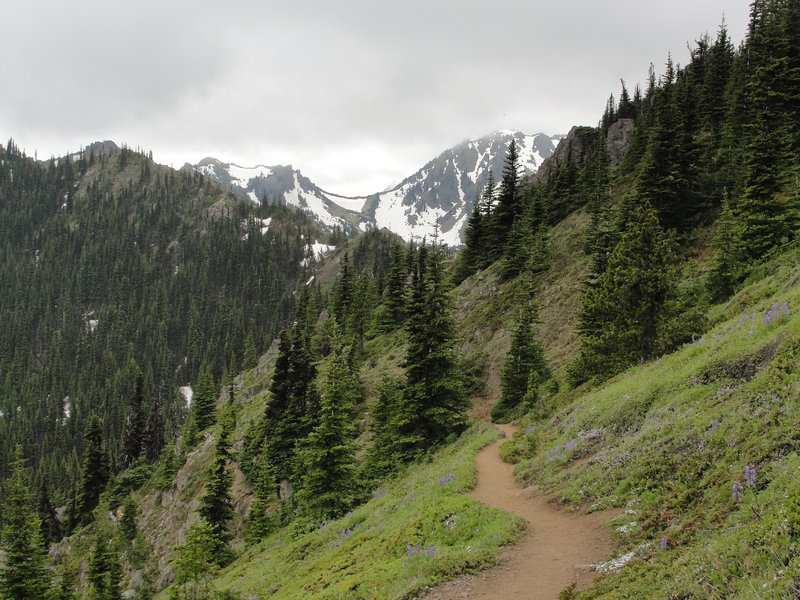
618 140
574 147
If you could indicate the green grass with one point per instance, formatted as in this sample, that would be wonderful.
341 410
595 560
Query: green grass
666 441
414 533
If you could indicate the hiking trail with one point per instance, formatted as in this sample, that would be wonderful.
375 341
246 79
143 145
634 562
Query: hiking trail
559 548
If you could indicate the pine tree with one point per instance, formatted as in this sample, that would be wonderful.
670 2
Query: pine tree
194 560
127 522
94 473
216 506
327 455
524 365
260 523
250 360
434 402
623 317
509 202
104 572
135 421
204 401
23 574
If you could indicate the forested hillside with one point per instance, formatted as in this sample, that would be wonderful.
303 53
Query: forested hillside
632 306
122 280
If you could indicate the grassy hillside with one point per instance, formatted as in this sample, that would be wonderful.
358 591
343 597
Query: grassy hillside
701 449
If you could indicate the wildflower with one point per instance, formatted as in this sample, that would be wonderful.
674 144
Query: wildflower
737 490
430 551
530 429
447 479
750 476
664 542
570 445
785 308
714 425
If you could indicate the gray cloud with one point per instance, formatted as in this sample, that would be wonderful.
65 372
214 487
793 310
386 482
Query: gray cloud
356 93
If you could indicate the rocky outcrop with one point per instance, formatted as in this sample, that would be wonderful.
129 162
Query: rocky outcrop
618 139
574 146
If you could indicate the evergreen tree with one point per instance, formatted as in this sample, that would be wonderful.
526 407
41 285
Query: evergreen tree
327 455
250 360
204 401
260 523
624 315
51 525
509 202
127 522
434 402
194 560
135 422
723 270
216 506
94 474
104 572
524 365
381 458
23 574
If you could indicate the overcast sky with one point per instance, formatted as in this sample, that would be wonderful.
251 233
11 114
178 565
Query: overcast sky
357 94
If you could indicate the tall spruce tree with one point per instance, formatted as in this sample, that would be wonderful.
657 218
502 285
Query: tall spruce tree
508 207
23 574
216 506
434 402
524 365
626 313
204 399
327 456
94 473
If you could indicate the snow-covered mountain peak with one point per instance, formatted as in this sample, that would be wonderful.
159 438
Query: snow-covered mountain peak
442 191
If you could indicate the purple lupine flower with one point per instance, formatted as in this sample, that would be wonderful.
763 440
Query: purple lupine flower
664 542
570 445
751 332
430 551
737 490
714 425
410 550
750 476
530 429
785 308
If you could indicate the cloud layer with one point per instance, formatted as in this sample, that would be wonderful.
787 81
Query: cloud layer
356 93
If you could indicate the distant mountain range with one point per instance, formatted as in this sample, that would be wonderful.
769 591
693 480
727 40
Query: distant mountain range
444 189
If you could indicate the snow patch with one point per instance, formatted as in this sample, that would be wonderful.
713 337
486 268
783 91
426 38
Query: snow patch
265 225
245 174
188 393
317 251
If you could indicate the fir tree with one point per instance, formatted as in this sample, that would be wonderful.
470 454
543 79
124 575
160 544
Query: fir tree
104 572
509 202
260 523
434 402
250 360
135 421
204 401
194 560
216 506
94 474
624 315
524 365
327 455
23 574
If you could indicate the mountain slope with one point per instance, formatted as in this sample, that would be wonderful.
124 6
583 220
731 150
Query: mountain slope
444 189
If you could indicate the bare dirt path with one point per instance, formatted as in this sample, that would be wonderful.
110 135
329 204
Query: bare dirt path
561 547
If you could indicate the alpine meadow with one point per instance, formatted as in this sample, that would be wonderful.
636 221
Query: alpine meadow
205 394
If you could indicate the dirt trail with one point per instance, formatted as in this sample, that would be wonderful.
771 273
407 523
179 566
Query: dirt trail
560 547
